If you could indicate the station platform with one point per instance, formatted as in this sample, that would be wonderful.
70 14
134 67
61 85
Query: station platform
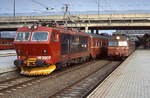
7 58
130 80
7 52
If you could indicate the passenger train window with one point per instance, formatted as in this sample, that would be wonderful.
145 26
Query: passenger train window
97 43
94 43
101 43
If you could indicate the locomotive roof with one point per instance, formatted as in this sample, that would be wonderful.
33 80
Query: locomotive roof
121 37
62 30
73 32
98 36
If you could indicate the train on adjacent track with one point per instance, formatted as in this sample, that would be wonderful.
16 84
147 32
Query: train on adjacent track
120 46
41 49
6 43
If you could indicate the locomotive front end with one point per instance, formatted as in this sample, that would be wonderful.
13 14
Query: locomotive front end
120 46
33 51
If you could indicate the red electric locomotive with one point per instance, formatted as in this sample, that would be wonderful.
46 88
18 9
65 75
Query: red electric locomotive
120 46
6 43
41 49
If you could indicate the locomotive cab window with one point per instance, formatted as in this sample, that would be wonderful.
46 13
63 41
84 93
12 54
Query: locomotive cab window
113 43
40 36
23 36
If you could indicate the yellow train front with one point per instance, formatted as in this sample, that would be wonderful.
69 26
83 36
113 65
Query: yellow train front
34 50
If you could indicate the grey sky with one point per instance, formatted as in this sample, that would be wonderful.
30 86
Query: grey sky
23 6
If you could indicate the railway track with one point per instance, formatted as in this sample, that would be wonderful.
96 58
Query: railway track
12 84
8 76
84 86
7 86
47 85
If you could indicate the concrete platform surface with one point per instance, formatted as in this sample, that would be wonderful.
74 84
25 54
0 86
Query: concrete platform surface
7 58
7 63
7 53
130 80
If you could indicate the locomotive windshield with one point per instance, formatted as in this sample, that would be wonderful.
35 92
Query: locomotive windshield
120 43
23 36
40 36
113 43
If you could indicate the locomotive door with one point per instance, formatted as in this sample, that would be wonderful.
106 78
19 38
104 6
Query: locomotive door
68 46
65 44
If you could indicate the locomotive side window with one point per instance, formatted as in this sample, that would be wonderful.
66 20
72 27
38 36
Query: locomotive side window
40 36
83 44
23 36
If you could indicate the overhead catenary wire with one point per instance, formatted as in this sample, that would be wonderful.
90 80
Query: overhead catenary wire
41 4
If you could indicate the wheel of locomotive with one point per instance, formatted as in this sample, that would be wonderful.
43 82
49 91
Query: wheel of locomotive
18 63
59 66
64 65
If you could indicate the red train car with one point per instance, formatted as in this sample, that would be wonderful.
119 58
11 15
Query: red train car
120 46
6 43
41 50
98 45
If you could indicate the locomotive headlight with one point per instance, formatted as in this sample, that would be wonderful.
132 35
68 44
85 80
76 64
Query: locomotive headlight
29 27
35 26
118 37
45 52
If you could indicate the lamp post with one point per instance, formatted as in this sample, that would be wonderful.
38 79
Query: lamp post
14 13
98 6
66 7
